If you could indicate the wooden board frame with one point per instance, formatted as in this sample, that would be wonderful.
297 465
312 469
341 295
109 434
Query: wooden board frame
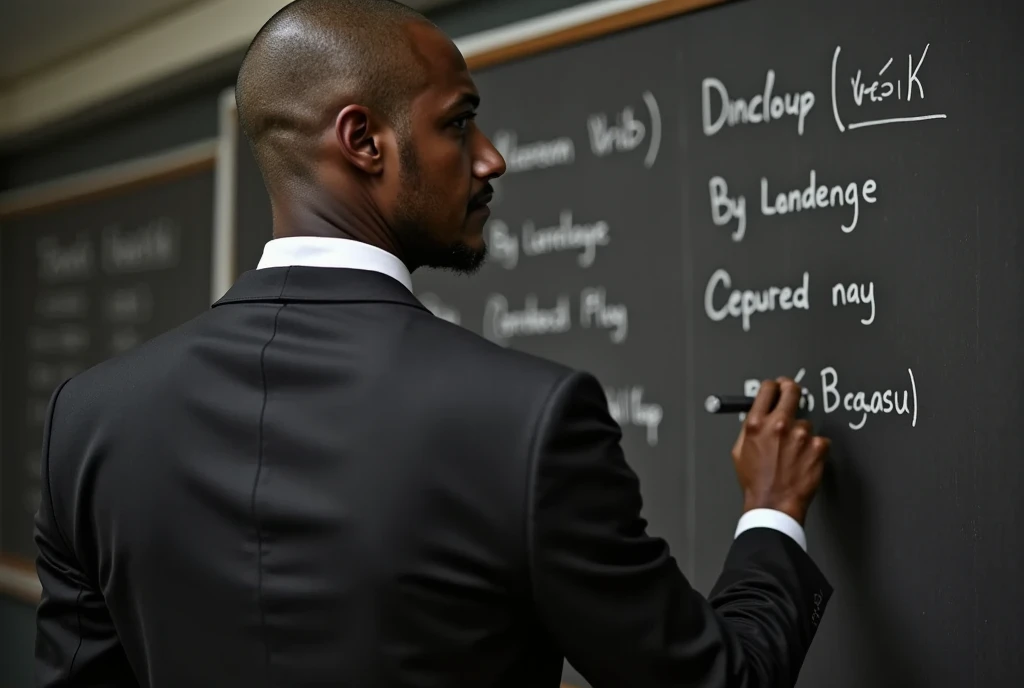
595 23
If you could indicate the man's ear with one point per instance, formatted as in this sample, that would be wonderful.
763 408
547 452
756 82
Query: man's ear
358 140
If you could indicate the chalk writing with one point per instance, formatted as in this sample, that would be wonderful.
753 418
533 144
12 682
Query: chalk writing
129 304
72 261
566 235
816 195
853 293
502 244
761 108
533 156
888 85
877 402
150 247
879 91
626 405
624 135
746 302
596 312
752 386
725 209
66 339
502 324
70 303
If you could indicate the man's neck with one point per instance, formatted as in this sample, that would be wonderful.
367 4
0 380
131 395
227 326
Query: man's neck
298 221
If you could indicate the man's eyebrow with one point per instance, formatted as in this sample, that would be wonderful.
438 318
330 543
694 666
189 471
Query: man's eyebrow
467 98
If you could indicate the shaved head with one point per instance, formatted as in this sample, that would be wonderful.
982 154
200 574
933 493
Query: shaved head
360 114
310 60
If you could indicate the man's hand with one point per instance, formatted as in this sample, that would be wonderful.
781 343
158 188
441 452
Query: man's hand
778 459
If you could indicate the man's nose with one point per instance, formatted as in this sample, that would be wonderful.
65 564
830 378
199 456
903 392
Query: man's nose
489 162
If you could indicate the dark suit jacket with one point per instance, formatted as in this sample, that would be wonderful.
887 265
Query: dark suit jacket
319 483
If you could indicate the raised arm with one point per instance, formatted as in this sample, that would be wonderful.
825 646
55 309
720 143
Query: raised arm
614 598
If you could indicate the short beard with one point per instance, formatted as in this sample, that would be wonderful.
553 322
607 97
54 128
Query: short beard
461 259
420 249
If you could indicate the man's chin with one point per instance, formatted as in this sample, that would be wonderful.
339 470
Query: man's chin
461 258
467 260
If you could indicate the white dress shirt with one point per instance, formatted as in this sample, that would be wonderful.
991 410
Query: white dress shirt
323 252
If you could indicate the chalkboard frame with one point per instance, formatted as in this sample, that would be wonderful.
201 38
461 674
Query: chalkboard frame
18 577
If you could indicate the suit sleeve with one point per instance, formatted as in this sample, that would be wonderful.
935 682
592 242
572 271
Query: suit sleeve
76 642
613 598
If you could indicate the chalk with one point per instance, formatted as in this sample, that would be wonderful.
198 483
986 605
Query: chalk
728 404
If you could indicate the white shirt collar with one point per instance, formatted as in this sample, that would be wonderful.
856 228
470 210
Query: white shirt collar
326 252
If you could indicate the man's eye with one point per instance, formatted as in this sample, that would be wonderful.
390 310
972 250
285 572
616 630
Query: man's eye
463 122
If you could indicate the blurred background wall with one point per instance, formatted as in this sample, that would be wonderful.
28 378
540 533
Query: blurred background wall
88 83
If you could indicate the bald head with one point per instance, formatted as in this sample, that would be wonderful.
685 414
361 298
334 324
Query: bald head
361 115
312 59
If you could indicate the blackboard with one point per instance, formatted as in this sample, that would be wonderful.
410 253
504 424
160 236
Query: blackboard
82 279
887 277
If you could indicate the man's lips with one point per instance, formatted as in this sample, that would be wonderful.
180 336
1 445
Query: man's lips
482 199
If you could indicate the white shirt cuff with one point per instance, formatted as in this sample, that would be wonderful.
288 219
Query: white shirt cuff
776 520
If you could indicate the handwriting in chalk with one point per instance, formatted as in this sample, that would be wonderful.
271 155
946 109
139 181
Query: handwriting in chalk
597 312
537 155
816 195
625 131
761 108
752 386
889 85
152 246
68 303
63 262
502 323
725 209
627 406
878 402
855 293
568 234
744 303
624 135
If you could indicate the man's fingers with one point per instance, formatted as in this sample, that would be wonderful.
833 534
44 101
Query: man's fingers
802 433
789 400
762 402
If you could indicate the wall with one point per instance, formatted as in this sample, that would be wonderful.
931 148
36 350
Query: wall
175 110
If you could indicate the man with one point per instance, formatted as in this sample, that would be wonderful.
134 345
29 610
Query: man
319 483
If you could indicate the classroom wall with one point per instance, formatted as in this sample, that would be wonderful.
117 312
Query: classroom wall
174 111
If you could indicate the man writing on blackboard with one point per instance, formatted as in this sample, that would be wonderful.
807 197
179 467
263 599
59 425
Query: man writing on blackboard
319 483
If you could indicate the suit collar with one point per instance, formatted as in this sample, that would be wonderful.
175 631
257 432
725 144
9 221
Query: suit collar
329 252
318 285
